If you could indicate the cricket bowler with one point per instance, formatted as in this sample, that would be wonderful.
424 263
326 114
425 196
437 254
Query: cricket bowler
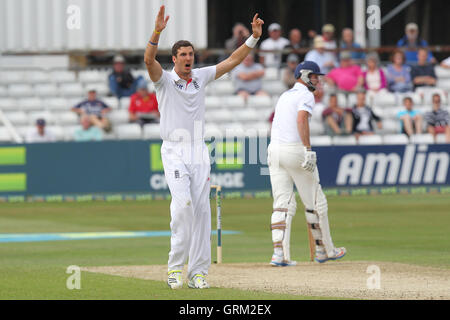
291 161
181 98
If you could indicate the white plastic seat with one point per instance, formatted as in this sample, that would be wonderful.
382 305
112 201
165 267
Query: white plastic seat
37 77
3 91
370 140
259 128
128 131
246 114
395 139
212 102
111 102
223 88
9 104
442 72
234 101
233 129
20 90
47 116
57 131
320 141
118 116
29 104
11 77
344 140
63 76
57 104
391 126
271 74
316 128
152 131
46 90
17 118
5 136
422 138
69 132
91 76
443 84
259 101
274 87
101 88
440 138
67 118
219 115
124 103
384 99
72 90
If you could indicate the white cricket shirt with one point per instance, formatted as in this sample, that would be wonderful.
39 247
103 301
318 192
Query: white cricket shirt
284 125
182 104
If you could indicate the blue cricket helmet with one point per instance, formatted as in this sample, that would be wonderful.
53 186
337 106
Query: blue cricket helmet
304 69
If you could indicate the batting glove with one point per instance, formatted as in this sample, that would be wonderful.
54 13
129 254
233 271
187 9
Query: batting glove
310 161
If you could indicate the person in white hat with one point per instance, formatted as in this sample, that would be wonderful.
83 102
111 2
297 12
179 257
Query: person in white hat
325 60
274 42
412 42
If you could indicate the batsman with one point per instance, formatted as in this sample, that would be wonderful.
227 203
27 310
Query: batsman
291 161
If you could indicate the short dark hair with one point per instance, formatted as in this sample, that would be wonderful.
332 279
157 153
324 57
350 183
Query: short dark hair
179 44
408 98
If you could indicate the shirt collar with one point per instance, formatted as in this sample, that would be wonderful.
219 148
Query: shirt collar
177 78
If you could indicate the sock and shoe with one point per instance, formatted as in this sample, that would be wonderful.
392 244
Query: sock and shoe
175 281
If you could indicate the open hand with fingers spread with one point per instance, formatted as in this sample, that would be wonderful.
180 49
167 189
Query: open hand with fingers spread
257 26
161 20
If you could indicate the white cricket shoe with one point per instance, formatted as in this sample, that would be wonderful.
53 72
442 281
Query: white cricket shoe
339 253
198 282
277 261
174 280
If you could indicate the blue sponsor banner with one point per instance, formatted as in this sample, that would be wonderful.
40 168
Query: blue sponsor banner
395 165
239 165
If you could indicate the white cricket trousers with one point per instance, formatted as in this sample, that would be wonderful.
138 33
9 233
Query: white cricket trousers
285 169
187 171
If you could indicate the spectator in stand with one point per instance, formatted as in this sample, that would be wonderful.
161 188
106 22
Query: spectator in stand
347 42
329 41
288 71
423 74
143 107
247 78
274 42
87 132
398 73
445 63
410 119
40 133
295 42
337 120
374 78
411 42
96 109
240 35
438 120
325 60
121 81
348 77
363 117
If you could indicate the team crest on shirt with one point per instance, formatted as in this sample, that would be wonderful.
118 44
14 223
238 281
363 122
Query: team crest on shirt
178 85
196 86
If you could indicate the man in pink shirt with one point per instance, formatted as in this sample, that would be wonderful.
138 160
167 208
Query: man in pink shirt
347 77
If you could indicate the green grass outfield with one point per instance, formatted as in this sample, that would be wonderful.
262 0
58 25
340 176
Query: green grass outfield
411 229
